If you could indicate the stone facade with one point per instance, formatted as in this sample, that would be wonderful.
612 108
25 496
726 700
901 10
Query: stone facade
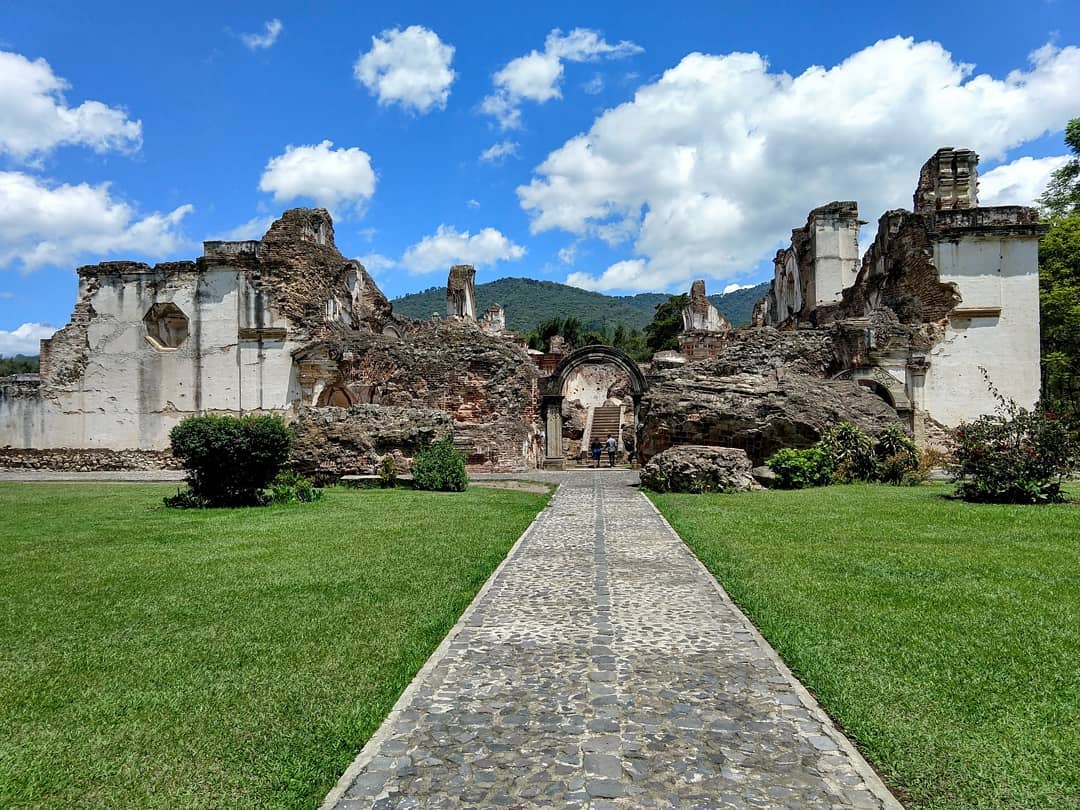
279 325
705 330
963 278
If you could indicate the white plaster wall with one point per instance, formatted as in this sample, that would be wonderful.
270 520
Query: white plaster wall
133 392
836 260
990 273
590 384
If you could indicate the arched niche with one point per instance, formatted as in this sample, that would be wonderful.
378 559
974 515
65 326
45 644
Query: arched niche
551 389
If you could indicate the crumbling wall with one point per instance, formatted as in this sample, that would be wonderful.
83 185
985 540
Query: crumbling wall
486 384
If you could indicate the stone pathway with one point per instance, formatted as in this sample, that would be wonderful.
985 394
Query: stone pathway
602 667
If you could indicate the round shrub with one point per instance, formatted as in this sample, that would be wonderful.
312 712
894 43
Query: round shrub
230 460
440 468
799 469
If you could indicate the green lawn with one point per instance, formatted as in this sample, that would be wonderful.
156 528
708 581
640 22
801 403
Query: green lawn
944 637
233 658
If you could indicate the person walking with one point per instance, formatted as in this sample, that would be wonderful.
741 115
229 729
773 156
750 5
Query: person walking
595 447
612 446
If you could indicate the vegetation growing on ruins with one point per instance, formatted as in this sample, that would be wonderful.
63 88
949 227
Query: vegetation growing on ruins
662 333
941 635
155 658
1059 286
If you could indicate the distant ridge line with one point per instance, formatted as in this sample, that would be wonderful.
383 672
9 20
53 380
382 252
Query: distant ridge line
529 301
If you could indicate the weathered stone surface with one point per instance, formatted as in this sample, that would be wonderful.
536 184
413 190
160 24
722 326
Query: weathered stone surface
696 468
76 460
331 442
758 413
487 385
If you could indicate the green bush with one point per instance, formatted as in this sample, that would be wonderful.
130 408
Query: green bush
1013 456
388 471
898 457
440 467
230 460
799 469
851 453
290 486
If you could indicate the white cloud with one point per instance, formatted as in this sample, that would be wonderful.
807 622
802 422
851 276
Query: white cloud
498 152
35 118
730 288
449 247
254 228
1021 182
331 177
410 68
472 203
375 262
44 224
271 32
536 76
25 339
568 254
709 168
594 85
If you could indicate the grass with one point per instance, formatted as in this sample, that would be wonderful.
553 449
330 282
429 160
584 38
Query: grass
220 658
944 637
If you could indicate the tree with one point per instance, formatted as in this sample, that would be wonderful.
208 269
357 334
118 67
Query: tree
1062 195
663 333
1059 312
1059 286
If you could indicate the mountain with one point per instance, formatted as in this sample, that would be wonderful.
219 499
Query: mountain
528 302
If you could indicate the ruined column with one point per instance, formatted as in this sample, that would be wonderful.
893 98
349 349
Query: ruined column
700 315
553 450
948 181
461 292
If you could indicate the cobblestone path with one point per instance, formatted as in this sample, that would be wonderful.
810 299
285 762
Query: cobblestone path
602 667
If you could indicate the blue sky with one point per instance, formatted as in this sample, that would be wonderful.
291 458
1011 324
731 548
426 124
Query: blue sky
621 146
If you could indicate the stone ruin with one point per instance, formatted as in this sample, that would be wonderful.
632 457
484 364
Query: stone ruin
461 292
704 328
287 325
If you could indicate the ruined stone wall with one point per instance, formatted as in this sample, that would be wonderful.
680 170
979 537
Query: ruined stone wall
331 442
486 384
78 460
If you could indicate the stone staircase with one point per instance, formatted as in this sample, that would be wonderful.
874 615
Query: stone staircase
606 421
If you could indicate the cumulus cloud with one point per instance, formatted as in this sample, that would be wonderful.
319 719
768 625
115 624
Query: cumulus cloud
375 262
410 68
330 177
24 339
35 118
708 168
1020 182
498 152
270 34
449 246
730 288
537 75
254 228
45 224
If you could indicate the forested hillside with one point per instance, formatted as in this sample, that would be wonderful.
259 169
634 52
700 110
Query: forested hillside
528 302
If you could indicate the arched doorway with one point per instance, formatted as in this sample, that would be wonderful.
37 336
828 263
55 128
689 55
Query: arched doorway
551 389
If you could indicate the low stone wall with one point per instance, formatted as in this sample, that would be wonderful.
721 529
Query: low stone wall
74 460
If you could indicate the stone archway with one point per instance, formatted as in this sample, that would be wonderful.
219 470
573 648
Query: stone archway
551 390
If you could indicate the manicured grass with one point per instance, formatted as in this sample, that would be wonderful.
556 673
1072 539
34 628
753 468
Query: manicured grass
232 658
944 637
